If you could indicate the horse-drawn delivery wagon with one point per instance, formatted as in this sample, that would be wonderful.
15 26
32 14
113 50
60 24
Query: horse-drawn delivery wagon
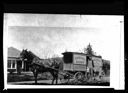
81 66
78 66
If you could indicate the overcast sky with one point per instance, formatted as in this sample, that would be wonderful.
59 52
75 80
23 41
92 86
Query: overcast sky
49 34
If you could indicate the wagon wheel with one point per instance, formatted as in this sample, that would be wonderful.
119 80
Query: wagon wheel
103 74
64 79
79 76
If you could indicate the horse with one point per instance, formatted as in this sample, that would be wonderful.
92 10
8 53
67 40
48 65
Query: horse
39 66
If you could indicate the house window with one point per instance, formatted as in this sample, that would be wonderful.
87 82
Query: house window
9 63
22 64
13 64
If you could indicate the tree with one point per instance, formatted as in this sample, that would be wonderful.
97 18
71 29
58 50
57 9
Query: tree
89 50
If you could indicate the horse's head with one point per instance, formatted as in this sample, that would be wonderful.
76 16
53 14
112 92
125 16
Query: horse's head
24 54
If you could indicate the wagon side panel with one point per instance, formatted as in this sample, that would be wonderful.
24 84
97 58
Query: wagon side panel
68 67
79 62
77 67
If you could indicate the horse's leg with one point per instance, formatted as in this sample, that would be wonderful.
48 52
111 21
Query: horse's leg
53 80
35 75
36 79
56 79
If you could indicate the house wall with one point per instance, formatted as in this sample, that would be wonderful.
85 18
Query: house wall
14 64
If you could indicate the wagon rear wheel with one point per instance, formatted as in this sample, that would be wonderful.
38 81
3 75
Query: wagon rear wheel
79 76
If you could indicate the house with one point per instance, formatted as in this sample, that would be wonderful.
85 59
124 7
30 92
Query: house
14 63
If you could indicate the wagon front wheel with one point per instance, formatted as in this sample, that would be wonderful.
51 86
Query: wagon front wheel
79 76
64 80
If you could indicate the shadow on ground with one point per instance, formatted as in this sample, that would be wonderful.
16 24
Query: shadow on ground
91 84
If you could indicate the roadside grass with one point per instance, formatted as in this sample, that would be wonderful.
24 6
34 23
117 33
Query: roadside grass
25 77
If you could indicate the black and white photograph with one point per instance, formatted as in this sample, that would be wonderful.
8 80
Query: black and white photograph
73 50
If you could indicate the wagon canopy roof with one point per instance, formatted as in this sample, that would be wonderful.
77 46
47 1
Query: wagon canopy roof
80 53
